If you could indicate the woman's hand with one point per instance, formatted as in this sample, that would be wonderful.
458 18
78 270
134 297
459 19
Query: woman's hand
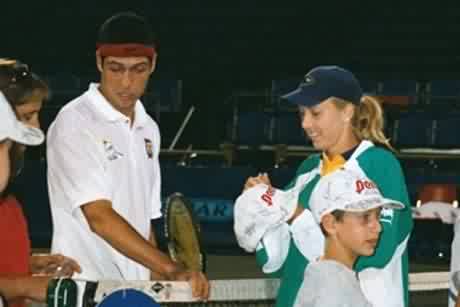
260 178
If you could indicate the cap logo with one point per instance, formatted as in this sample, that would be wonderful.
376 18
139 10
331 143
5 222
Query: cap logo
361 185
308 80
267 196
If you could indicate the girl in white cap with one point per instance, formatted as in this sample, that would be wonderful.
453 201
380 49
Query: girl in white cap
11 130
21 99
347 128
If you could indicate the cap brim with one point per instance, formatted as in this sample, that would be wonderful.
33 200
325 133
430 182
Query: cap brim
27 135
372 203
392 204
300 97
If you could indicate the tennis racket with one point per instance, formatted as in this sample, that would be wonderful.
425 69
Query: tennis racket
183 234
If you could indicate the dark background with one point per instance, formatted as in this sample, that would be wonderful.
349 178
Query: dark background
220 47
246 44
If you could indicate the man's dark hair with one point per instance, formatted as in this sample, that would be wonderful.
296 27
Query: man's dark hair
126 28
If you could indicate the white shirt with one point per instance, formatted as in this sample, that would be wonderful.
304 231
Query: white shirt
332 284
95 153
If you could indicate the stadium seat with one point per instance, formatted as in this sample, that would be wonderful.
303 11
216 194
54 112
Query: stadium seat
447 133
288 130
399 92
446 193
413 129
253 128
443 91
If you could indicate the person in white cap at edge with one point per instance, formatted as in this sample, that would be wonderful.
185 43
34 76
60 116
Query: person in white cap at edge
347 206
14 288
454 271
347 128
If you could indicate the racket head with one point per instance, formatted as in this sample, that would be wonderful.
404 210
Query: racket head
183 233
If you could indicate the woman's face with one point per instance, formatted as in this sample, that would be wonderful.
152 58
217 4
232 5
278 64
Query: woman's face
4 163
328 126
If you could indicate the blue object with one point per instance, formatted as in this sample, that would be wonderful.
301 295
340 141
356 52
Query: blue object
323 82
128 297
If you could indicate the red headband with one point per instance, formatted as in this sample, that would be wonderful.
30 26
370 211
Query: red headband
125 50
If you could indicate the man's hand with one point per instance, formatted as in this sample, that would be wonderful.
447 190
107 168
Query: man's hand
56 265
198 282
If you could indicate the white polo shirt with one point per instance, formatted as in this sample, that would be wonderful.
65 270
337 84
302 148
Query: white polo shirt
95 153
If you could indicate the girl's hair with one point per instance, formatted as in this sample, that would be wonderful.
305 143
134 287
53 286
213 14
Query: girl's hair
19 84
368 121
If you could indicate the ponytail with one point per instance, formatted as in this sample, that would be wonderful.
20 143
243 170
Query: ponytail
368 122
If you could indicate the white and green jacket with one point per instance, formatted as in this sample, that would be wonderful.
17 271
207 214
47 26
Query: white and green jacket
383 276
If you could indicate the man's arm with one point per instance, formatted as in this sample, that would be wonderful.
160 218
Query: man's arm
116 231
24 287
154 275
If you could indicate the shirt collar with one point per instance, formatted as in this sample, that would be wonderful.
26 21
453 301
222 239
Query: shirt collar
103 106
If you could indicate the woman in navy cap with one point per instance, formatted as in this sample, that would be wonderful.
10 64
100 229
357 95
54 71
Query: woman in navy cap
347 127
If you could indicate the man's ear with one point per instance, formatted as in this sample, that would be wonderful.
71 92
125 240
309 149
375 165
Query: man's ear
99 61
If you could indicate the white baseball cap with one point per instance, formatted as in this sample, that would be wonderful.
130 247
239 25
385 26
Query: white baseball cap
11 128
259 209
347 190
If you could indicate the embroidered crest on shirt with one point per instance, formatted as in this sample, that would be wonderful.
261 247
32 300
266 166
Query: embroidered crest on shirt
148 148
386 215
111 152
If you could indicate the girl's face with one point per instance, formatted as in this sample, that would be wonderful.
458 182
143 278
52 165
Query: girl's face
28 112
4 163
328 126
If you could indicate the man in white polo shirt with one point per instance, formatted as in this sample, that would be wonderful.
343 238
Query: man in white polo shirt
103 167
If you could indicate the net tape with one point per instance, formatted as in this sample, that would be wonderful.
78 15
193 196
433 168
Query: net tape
237 289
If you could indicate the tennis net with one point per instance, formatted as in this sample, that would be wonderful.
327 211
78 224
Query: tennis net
427 289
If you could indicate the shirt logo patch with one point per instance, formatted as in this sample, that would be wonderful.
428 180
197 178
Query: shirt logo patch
110 151
148 148
386 215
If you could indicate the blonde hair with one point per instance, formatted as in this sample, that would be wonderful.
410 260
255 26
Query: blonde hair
367 121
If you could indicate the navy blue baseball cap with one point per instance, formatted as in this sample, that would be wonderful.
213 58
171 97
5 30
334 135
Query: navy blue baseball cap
323 82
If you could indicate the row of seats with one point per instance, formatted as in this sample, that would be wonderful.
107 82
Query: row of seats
398 91
406 130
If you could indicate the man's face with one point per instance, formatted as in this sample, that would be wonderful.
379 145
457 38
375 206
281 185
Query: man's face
123 80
